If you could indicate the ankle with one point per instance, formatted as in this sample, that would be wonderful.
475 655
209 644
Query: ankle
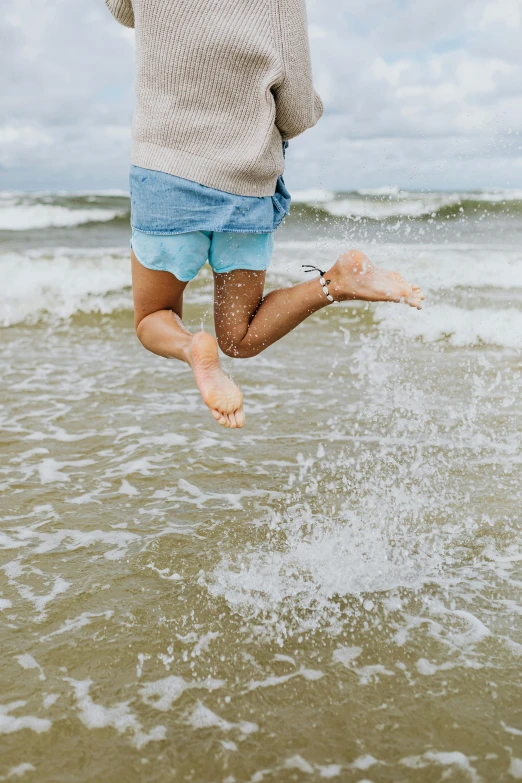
349 272
335 284
186 352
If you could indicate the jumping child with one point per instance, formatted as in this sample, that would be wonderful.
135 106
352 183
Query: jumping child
221 85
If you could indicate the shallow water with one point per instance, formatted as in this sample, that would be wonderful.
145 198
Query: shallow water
331 593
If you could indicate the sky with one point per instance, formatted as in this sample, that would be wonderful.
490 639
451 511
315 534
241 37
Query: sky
419 94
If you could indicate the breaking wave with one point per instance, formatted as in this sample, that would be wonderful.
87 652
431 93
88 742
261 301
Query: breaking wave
41 211
61 283
473 293
29 212
382 204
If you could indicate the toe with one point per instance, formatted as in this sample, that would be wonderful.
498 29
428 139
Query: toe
240 417
232 421
223 420
413 300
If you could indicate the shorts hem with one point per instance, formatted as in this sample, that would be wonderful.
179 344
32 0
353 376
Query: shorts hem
177 232
240 268
163 269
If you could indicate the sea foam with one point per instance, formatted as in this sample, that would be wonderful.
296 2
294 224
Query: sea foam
61 283
57 284
39 216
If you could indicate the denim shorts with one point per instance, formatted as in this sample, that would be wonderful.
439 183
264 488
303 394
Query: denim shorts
183 255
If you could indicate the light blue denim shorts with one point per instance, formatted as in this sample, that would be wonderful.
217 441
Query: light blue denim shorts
183 255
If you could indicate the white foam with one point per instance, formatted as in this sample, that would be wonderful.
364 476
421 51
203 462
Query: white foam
459 326
444 759
162 694
319 562
61 284
10 723
444 268
15 196
384 190
59 585
49 699
269 682
320 558
474 629
78 622
511 729
428 669
120 716
27 661
50 470
368 674
329 771
20 770
364 762
346 655
128 489
164 573
391 202
298 762
382 209
312 196
377 203
495 196
70 539
203 718
118 192
231 746
24 217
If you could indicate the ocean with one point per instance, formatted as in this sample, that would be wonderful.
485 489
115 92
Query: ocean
333 592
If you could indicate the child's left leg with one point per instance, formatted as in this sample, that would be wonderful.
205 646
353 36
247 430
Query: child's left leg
248 322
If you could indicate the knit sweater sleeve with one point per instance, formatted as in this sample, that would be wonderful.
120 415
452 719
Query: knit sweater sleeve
298 106
122 11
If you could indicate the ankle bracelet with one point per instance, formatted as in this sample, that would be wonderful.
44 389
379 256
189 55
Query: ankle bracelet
324 283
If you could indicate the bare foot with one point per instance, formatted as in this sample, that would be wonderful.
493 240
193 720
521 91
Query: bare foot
353 276
219 392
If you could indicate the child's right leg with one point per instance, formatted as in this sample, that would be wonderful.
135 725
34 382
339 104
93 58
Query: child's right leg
158 307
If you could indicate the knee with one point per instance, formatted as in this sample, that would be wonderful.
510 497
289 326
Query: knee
229 347
234 347
140 327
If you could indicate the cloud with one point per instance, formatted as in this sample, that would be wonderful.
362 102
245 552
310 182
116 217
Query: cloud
504 12
417 93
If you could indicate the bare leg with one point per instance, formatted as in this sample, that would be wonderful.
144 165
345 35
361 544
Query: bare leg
158 305
247 323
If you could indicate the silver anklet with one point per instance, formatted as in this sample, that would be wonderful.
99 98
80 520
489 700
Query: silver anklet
324 283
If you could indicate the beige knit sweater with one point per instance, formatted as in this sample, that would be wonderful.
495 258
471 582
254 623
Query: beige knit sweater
219 84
